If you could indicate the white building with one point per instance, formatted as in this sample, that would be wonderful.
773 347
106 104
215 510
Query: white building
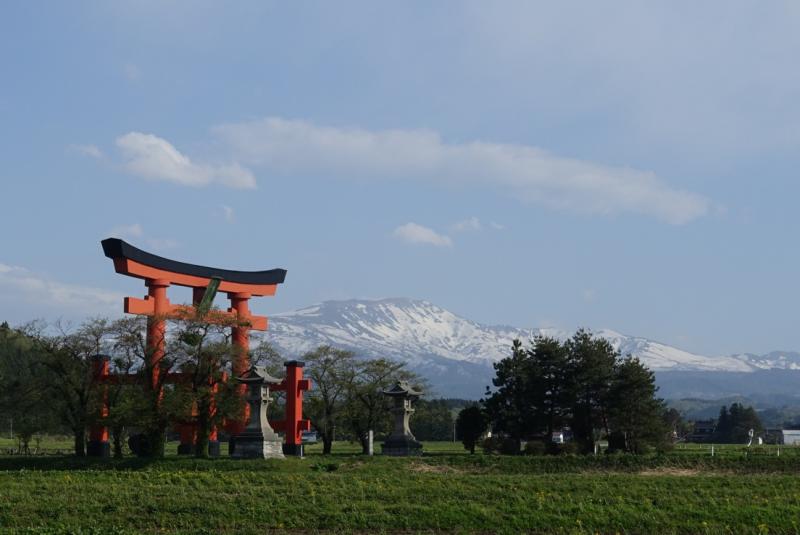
791 437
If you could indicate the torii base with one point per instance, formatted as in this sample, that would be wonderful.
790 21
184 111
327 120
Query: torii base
293 450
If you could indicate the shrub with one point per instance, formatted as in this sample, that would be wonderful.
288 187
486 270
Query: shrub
567 448
535 447
490 444
501 444
510 446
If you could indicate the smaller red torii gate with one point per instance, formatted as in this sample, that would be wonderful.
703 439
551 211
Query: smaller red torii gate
159 274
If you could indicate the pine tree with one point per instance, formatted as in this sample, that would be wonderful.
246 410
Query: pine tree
742 420
722 433
470 425
510 406
592 362
551 383
635 413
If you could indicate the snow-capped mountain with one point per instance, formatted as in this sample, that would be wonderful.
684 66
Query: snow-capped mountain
456 354
401 328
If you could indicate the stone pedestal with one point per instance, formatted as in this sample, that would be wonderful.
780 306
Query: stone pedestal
401 446
258 440
402 442
258 447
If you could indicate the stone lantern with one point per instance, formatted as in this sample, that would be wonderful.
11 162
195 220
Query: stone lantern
258 440
401 441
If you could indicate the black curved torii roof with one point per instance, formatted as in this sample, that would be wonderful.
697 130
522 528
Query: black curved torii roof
115 248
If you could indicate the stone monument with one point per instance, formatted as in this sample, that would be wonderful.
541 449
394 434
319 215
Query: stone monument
402 442
258 440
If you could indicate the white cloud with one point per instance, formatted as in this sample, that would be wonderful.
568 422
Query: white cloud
155 158
45 296
473 223
227 213
127 231
92 151
527 172
496 226
417 234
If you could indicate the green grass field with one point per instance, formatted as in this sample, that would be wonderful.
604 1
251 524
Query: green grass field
683 492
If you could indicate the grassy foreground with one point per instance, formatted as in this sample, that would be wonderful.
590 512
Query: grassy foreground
445 490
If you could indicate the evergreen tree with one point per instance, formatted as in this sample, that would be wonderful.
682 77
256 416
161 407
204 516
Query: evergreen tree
550 383
743 419
735 423
510 406
592 363
722 433
471 423
634 412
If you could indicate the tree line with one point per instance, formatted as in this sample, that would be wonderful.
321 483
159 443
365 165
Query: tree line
46 385
581 384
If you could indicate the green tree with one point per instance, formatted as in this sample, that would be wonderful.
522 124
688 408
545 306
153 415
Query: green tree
551 383
151 405
366 408
332 373
22 394
592 365
123 398
204 352
510 406
743 419
471 423
66 359
722 433
635 413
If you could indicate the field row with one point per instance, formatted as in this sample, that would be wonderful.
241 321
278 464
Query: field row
410 495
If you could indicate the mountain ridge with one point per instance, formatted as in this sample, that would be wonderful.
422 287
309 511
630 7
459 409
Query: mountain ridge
455 352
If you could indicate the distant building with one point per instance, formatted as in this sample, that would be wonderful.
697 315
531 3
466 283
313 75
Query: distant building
791 437
703 431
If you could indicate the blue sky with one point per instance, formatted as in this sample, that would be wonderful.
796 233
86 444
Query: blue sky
625 165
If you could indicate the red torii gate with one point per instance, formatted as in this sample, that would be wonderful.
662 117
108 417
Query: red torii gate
159 274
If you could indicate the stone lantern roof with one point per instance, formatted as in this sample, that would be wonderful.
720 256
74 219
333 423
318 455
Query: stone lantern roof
257 375
403 389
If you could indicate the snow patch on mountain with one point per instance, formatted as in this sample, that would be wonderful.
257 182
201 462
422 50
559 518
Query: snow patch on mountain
422 333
